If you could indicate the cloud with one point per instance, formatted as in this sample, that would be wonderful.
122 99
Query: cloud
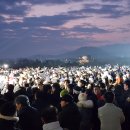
25 28
9 30
38 36
78 35
49 28
39 10
22 3
53 9
12 18
97 20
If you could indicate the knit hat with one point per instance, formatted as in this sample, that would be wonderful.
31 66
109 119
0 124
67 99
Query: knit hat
82 97
63 92
22 99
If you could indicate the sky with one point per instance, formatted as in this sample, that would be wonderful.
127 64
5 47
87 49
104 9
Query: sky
53 27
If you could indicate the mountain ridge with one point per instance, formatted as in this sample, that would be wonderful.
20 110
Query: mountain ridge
102 52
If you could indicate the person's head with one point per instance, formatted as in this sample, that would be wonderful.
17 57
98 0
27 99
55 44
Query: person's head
47 88
126 85
56 87
10 87
66 99
26 85
66 82
21 101
49 114
8 109
96 90
38 95
109 97
119 79
81 83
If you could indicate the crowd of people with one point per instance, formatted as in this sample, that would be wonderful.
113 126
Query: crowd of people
74 98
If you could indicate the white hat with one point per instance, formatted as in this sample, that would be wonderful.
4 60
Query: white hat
82 97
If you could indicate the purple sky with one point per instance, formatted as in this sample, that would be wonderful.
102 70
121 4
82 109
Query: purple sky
56 26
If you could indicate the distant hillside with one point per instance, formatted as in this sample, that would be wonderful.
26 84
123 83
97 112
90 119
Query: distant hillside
102 52
95 52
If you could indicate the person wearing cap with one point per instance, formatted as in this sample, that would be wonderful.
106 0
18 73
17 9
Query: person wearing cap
29 117
63 92
70 116
111 116
85 107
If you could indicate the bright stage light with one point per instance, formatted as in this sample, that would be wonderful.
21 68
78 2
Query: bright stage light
5 66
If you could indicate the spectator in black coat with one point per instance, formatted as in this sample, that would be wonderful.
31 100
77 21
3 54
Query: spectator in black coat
126 105
86 110
126 110
56 95
8 118
9 96
38 102
29 117
70 116
96 121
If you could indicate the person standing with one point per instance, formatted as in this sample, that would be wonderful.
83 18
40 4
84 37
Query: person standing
111 116
49 118
29 117
8 116
70 116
